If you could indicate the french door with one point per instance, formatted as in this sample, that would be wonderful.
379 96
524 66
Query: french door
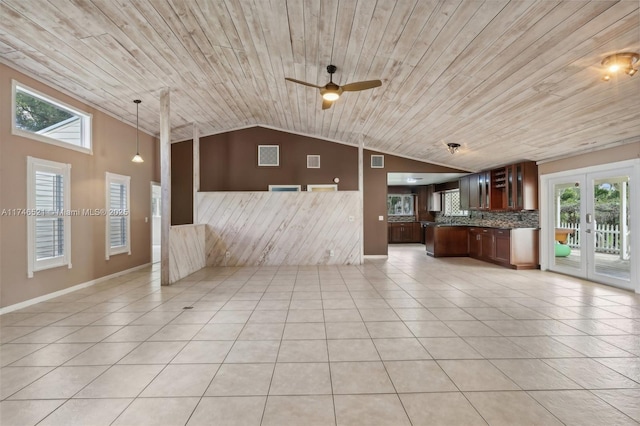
592 218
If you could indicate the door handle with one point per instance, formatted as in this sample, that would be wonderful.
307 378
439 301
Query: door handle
589 218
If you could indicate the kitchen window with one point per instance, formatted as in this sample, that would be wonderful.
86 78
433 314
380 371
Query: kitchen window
400 204
451 206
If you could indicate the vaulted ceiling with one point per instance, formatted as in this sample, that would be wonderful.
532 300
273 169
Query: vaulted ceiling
508 80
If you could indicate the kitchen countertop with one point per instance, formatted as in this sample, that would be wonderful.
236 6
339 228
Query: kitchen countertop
444 225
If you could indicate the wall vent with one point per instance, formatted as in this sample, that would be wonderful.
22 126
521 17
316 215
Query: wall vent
377 161
313 161
268 155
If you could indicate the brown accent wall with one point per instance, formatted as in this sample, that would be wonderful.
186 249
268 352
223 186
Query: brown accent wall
113 147
375 196
229 161
182 183
605 156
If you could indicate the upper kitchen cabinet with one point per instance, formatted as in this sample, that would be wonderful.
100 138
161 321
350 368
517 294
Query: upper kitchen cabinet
516 186
480 191
513 187
465 186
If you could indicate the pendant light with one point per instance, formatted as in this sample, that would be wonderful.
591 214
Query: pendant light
137 158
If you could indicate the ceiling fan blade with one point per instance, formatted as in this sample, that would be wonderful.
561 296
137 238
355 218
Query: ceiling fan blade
302 82
326 104
361 85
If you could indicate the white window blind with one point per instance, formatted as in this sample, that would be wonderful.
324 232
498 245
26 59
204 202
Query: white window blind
118 217
48 213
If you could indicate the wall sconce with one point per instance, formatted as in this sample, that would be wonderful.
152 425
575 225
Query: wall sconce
137 158
624 61
453 147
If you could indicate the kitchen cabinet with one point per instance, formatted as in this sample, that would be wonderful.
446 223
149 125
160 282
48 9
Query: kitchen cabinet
475 243
480 191
443 241
516 187
404 232
423 204
434 201
516 248
522 186
464 185
513 187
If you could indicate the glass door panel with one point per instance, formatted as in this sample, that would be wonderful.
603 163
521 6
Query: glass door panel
609 230
568 253
591 218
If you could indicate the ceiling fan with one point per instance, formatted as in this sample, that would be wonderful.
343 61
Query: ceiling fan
331 92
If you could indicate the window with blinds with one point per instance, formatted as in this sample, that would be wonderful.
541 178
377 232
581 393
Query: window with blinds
118 218
48 212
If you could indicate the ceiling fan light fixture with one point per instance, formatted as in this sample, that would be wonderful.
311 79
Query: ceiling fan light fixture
624 61
330 96
453 147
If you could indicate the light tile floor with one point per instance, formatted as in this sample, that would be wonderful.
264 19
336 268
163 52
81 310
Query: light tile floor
408 340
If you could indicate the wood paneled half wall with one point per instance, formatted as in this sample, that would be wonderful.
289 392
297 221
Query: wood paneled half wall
281 228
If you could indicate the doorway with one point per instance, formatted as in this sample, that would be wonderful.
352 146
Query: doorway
155 221
592 218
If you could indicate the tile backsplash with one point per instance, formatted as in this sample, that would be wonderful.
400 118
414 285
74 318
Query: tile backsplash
405 218
523 219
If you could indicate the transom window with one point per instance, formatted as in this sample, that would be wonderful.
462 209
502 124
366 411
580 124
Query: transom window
43 118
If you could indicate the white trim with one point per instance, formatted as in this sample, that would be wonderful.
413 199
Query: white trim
126 181
376 256
86 119
49 296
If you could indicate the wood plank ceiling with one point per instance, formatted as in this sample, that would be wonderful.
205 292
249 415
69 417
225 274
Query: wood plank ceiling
509 80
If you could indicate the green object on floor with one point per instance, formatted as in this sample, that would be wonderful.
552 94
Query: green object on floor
562 250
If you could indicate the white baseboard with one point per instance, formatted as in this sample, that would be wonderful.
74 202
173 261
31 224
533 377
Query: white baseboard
62 292
376 256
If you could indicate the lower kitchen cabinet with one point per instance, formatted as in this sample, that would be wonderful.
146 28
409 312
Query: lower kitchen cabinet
404 232
443 241
516 248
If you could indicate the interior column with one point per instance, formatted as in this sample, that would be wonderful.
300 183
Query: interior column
165 184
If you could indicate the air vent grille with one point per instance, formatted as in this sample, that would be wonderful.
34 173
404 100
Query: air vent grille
377 161
313 161
268 155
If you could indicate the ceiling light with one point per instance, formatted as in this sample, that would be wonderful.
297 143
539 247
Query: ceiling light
453 147
137 158
330 96
624 61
